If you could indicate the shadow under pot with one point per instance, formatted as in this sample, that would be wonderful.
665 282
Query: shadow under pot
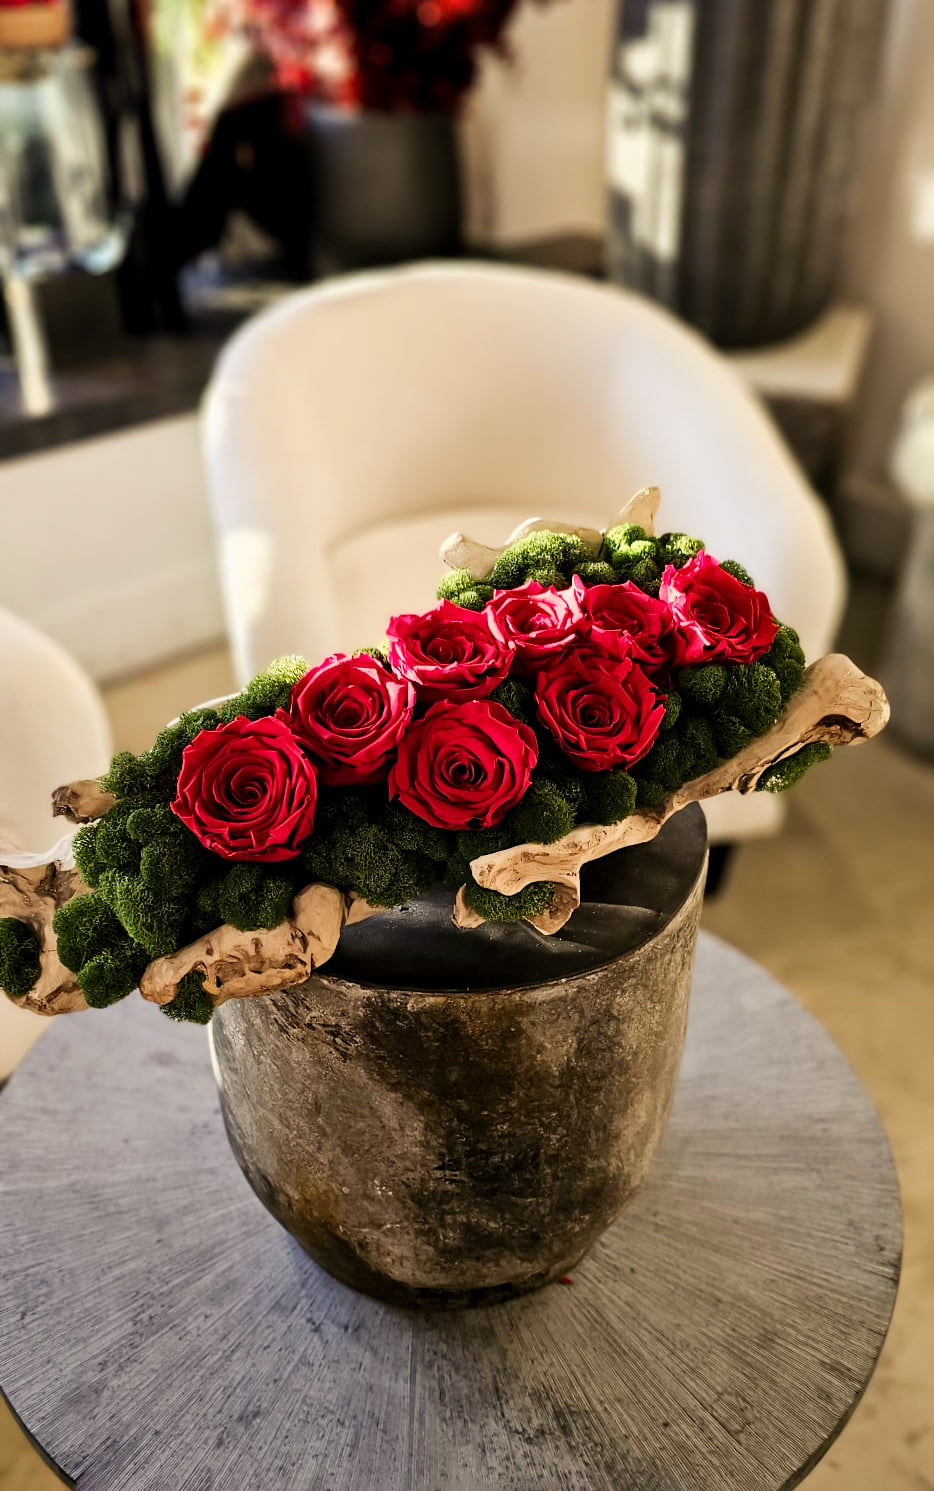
447 1118
386 188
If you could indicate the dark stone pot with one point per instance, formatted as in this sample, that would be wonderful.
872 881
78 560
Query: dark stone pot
445 1118
386 187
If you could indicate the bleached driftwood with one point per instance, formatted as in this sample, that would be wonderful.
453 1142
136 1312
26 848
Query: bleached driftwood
836 704
461 552
81 802
32 887
240 965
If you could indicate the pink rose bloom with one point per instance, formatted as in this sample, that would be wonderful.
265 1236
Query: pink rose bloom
247 791
602 710
464 765
448 652
719 619
349 714
535 623
617 611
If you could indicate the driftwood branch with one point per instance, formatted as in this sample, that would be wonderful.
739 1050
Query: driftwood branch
461 552
240 965
81 802
32 887
836 704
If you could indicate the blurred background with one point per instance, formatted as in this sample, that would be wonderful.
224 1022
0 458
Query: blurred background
603 182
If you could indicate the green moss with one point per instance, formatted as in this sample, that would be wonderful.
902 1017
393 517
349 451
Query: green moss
517 698
191 1003
253 897
153 920
205 910
618 540
786 659
413 836
752 695
84 927
171 859
596 572
672 711
611 797
270 690
702 684
787 773
730 734
19 957
459 586
634 556
112 973
734 568
494 907
543 815
471 843
649 794
378 654
355 852
677 548
550 558
664 763
698 746
114 847
84 849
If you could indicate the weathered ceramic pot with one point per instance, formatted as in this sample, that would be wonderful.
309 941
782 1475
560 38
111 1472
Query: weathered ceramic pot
445 1118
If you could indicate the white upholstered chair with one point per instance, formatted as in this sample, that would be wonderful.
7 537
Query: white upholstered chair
352 427
53 729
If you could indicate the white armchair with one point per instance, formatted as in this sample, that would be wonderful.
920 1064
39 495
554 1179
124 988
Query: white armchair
54 730
351 428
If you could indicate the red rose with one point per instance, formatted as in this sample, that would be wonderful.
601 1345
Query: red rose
348 714
464 765
602 710
534 623
617 611
717 615
448 652
247 791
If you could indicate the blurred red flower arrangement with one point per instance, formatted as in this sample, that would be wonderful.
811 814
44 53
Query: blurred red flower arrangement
384 55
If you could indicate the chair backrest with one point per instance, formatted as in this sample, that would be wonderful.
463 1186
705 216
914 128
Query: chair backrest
351 427
53 729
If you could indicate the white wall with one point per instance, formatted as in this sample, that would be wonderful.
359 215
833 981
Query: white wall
534 126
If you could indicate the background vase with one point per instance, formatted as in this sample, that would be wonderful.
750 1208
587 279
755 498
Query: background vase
444 1118
386 187
734 135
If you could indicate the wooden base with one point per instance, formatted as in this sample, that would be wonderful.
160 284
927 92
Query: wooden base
31 27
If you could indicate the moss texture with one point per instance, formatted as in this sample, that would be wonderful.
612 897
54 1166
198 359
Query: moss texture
19 957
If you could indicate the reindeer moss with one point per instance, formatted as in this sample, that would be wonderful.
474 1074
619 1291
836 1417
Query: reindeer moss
787 773
191 1003
112 974
494 907
19 957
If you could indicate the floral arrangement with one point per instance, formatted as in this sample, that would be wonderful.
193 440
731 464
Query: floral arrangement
388 55
562 692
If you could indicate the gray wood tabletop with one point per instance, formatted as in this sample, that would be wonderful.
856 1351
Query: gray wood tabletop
160 1332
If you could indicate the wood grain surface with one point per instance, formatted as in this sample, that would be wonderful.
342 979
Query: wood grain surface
160 1332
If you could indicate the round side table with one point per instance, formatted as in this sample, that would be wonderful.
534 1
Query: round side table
159 1330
